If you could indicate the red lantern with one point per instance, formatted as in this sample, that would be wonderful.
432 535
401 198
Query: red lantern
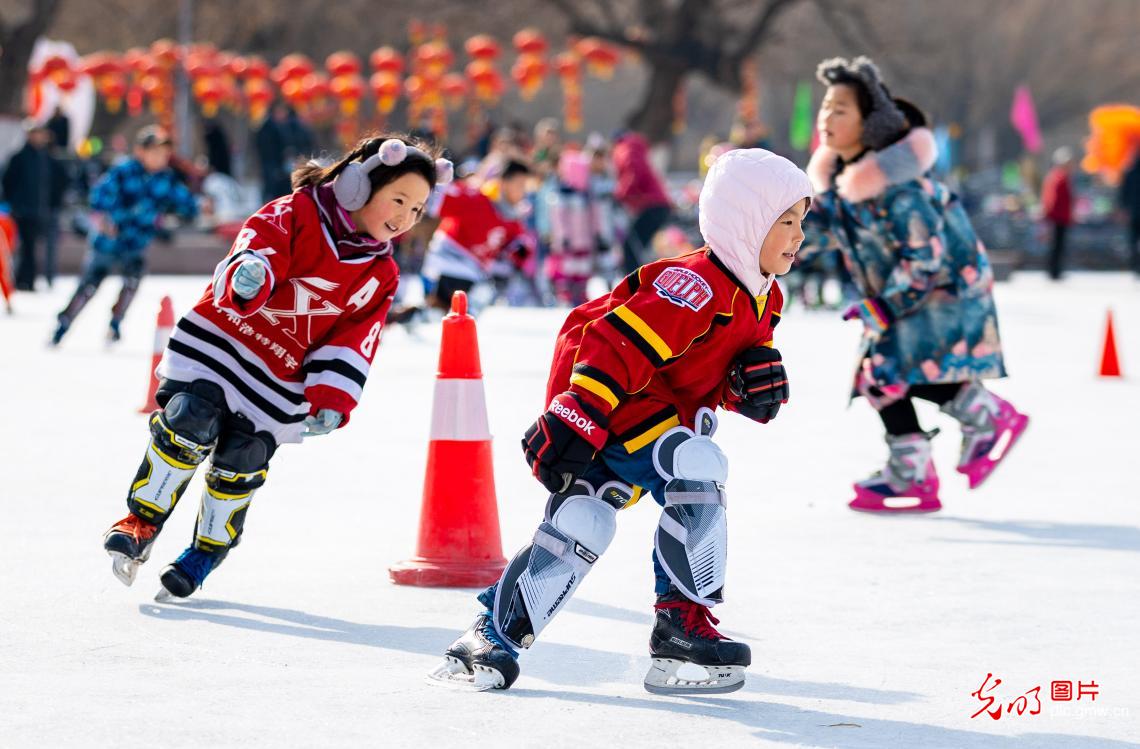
167 52
100 64
347 89
112 87
530 42
342 63
199 67
256 67
290 67
134 58
259 94
454 88
209 93
528 72
157 91
386 87
487 81
386 60
601 58
482 47
434 58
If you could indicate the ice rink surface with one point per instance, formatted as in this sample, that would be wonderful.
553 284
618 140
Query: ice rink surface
866 631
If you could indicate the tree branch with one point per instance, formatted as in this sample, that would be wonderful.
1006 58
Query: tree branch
760 28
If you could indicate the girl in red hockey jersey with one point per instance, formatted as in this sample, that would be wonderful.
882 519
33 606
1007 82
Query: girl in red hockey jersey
635 378
278 348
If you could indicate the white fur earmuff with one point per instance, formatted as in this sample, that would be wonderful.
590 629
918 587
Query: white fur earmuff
352 186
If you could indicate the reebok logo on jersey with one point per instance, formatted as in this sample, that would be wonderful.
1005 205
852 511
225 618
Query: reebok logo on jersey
683 288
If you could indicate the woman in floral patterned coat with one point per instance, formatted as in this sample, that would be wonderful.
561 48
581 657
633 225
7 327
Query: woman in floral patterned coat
929 319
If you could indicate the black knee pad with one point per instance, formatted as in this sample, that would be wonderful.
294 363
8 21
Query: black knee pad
193 417
244 450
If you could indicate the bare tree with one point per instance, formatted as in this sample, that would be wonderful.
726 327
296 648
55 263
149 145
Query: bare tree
677 38
17 39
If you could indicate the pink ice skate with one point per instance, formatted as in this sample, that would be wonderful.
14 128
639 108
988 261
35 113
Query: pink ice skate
990 428
908 483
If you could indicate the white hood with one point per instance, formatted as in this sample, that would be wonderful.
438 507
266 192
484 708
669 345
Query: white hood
745 191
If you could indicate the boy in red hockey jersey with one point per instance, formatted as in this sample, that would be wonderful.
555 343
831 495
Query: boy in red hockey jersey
278 348
474 232
636 376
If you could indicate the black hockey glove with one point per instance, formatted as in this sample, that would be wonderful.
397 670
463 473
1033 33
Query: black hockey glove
562 442
758 384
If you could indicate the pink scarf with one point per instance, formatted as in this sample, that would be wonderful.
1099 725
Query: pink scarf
350 243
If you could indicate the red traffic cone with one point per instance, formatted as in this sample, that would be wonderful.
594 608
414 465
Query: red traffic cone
1109 362
162 330
459 543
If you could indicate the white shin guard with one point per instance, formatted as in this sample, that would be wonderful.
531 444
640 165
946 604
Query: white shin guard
579 527
692 534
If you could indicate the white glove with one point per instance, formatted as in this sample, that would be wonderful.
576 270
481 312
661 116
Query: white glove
324 422
249 278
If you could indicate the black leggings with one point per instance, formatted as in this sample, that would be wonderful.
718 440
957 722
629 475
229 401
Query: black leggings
900 418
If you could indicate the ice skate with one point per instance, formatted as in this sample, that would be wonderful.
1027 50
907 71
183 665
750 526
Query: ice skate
683 634
478 660
129 542
60 331
908 483
114 332
186 574
990 429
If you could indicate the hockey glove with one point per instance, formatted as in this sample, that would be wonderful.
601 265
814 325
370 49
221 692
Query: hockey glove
561 444
249 278
325 421
758 384
874 314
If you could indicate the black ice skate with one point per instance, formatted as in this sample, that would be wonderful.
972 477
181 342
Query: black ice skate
683 633
129 542
479 659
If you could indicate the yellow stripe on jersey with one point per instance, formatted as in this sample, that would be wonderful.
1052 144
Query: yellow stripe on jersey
595 387
630 318
646 437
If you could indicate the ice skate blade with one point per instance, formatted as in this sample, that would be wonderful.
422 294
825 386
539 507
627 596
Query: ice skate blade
662 679
452 674
920 506
123 567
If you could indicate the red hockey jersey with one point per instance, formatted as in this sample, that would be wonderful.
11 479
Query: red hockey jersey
661 344
469 218
307 340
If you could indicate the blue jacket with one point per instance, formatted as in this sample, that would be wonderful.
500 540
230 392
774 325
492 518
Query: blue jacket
908 243
134 200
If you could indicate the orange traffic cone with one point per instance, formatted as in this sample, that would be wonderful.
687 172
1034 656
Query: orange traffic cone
1109 362
459 544
162 330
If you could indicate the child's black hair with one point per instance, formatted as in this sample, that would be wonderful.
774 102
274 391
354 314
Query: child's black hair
514 169
313 173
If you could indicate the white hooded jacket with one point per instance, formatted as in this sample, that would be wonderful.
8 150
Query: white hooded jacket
745 191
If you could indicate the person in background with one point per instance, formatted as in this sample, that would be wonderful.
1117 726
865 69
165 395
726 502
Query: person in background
1129 199
217 147
1057 206
641 193
60 127
127 203
33 186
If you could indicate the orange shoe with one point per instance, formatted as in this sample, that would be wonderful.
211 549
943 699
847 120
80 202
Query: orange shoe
129 542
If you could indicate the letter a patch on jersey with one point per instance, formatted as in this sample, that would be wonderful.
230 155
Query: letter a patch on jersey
683 288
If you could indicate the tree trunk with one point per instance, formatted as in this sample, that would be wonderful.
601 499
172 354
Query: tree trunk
654 117
16 45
